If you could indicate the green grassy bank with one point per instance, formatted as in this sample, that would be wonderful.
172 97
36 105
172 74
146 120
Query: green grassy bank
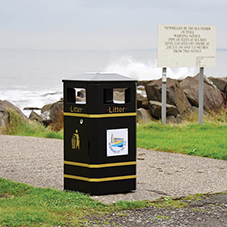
207 140
21 127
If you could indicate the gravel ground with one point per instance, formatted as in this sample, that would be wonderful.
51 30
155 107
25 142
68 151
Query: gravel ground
210 211
39 162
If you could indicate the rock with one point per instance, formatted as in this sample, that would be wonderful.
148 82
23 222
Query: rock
213 98
205 80
174 93
141 87
194 109
139 99
52 112
81 93
171 110
142 101
190 87
179 119
143 116
171 120
80 100
10 106
141 90
156 109
35 117
4 119
46 107
32 108
142 83
176 97
118 95
153 90
51 93
221 84
5 108
46 118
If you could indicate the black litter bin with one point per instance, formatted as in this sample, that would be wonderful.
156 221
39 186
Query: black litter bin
100 134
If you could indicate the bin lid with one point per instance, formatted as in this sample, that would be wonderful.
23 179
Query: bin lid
100 77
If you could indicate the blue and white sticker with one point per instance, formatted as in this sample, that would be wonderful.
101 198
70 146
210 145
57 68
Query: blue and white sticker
117 142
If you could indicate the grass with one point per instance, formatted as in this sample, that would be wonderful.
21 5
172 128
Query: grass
207 140
24 205
163 217
21 127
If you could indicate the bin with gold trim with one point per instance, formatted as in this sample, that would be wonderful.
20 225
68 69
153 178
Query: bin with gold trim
100 133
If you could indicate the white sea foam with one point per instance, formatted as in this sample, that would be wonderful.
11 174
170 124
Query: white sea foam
126 65
26 98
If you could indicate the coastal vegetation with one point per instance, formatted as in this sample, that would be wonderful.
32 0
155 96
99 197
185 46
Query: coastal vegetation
207 140
19 127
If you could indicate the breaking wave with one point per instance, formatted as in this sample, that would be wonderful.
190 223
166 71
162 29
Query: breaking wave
146 70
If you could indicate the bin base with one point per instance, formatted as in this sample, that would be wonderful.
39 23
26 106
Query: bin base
100 188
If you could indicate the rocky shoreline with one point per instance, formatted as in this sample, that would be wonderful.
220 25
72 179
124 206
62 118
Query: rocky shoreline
182 98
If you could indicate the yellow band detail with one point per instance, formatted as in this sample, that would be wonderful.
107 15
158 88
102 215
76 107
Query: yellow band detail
99 165
99 115
99 179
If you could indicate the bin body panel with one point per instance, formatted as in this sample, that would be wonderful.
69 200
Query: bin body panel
76 142
100 138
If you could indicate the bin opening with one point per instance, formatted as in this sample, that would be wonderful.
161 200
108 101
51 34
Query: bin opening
117 96
76 95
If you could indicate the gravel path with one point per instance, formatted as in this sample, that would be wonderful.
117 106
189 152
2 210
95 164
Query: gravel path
39 162
210 211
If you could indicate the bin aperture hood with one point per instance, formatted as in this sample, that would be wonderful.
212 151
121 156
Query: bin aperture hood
99 77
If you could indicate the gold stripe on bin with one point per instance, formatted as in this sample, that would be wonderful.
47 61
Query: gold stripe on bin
99 115
99 165
99 179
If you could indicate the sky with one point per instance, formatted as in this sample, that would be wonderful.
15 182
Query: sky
102 24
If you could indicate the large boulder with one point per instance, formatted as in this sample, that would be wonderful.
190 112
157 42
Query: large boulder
221 84
153 90
141 83
142 101
51 113
174 94
141 90
35 117
212 99
156 109
143 116
4 118
5 108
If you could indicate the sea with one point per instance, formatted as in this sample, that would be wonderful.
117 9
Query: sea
33 78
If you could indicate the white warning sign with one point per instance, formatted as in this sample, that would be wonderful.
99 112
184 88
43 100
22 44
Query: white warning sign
186 46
